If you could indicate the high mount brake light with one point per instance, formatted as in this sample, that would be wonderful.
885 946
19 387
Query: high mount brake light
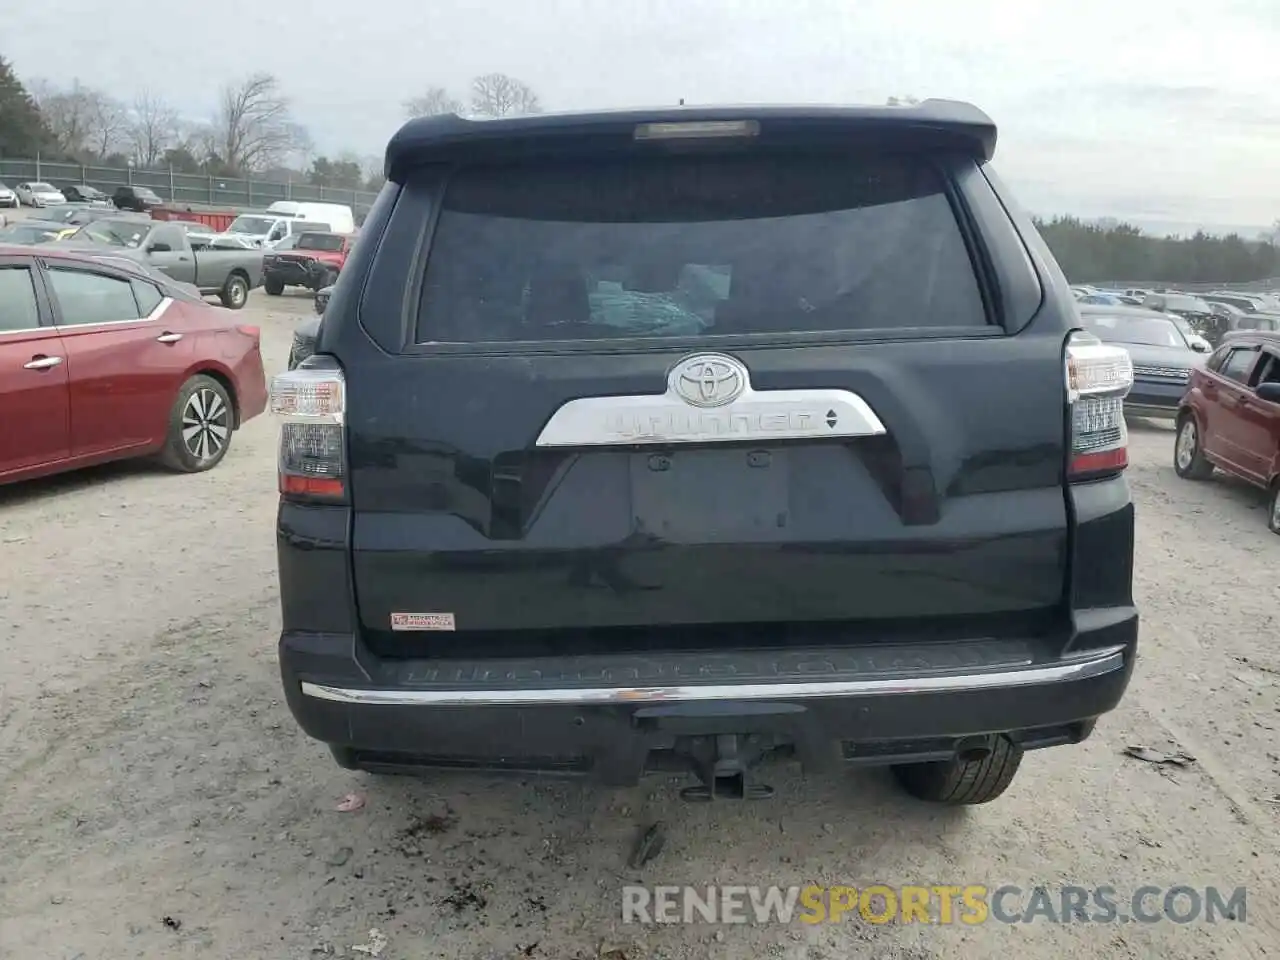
697 130
312 403
1098 378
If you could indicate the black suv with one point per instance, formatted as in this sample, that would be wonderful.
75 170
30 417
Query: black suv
138 199
698 436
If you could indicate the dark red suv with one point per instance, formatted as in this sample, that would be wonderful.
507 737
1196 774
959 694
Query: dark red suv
1230 416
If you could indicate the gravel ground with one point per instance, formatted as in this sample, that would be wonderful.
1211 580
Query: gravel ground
157 800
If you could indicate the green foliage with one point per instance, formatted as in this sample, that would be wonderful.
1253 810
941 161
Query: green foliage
1090 253
180 159
22 130
343 174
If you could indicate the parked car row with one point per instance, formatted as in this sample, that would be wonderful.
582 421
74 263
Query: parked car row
1226 406
280 247
105 358
1209 315
38 193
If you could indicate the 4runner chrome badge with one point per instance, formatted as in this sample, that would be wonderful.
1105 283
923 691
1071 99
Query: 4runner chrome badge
708 398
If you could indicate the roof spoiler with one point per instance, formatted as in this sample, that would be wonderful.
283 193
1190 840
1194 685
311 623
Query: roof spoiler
448 138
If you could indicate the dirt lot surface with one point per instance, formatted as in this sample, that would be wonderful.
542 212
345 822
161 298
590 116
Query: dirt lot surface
156 799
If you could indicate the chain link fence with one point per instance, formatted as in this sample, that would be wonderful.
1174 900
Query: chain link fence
183 189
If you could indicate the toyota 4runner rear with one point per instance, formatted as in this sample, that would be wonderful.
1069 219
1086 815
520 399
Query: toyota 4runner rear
694 437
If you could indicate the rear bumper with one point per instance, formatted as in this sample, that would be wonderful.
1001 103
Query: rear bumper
616 717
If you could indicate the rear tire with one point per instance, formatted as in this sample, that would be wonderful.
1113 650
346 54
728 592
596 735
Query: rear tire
273 285
1273 507
1188 457
962 783
235 292
200 426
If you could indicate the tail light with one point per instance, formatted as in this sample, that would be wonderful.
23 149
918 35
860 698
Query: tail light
254 333
311 402
1099 377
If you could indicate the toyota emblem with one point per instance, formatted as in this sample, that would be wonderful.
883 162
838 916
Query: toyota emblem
708 380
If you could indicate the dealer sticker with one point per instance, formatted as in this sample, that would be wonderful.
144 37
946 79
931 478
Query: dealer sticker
422 621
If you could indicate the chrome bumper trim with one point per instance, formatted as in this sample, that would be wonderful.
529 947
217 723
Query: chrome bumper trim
1094 664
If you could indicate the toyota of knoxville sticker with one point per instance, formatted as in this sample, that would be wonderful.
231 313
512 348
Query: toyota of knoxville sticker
422 621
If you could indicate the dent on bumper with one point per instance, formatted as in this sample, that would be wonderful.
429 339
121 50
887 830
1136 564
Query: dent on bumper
1090 665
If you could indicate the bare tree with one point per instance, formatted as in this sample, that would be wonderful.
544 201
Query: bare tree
108 124
498 95
68 114
435 101
254 127
153 129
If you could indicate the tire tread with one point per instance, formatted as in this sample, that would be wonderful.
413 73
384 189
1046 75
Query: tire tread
961 783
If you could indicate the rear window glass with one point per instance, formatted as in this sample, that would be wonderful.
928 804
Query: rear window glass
696 246
330 242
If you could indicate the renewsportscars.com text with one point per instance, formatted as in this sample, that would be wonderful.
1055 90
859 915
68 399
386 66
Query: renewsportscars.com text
970 904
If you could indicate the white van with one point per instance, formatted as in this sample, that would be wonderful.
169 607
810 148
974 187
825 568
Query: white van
266 230
337 215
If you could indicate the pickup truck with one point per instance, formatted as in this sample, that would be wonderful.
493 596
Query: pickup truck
166 246
314 261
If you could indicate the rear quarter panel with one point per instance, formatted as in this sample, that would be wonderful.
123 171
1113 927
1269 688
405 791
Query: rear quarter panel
223 349
214 266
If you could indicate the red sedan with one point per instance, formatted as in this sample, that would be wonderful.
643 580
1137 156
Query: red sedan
102 359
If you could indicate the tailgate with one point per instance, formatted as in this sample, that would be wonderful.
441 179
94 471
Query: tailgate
729 390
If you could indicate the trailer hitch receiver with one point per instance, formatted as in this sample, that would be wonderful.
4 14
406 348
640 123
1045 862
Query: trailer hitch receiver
722 763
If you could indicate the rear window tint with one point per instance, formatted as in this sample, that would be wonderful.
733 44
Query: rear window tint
696 246
329 242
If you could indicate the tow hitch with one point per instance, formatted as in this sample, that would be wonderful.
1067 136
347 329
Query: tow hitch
722 763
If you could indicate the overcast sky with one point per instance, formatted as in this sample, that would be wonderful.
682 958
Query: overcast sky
1160 111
